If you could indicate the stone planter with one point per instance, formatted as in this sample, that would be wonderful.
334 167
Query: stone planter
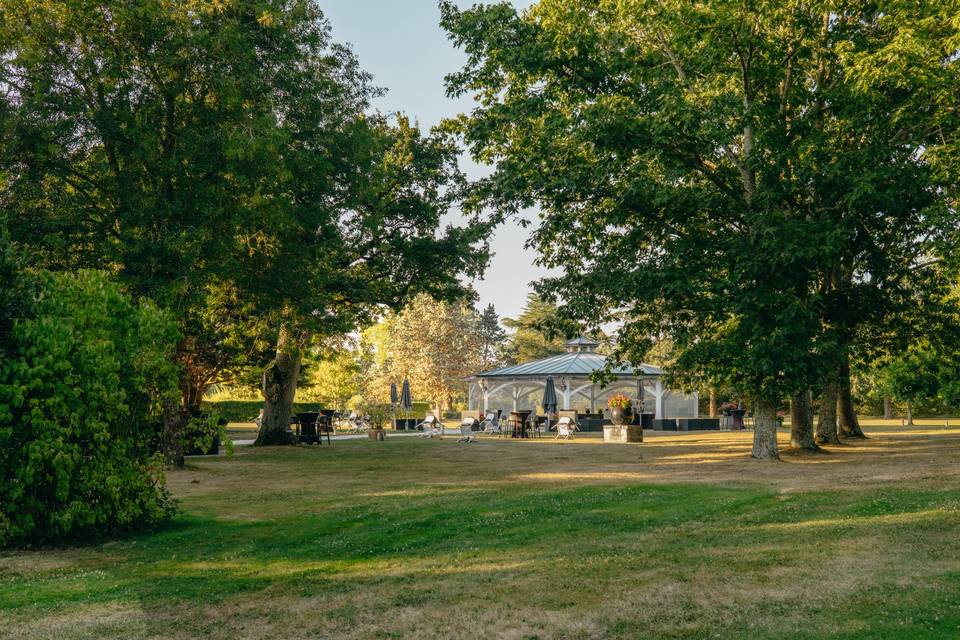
376 434
622 433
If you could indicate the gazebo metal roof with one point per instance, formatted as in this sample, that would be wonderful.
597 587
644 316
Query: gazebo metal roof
576 364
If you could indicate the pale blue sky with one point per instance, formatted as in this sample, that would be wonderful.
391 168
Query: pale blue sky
401 43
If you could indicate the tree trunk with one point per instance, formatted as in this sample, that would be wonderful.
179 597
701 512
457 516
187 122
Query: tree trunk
713 403
887 409
827 423
801 421
909 413
849 425
174 422
279 387
765 430
192 393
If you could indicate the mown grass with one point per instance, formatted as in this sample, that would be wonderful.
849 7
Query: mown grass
421 539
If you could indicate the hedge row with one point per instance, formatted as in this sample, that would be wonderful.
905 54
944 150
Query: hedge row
247 410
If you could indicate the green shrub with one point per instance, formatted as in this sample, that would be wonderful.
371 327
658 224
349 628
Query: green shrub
82 379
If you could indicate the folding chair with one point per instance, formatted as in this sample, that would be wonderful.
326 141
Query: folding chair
466 430
566 426
431 427
490 425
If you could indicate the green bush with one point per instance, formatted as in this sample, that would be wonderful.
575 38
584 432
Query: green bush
82 378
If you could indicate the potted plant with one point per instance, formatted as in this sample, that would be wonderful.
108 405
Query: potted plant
379 417
728 407
621 409
621 414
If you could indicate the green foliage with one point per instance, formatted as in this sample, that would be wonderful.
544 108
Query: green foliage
752 180
380 414
246 183
331 380
81 389
493 339
248 410
534 332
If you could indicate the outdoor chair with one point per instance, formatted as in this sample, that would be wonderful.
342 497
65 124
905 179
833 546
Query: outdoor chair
431 427
466 430
537 424
566 426
490 425
357 423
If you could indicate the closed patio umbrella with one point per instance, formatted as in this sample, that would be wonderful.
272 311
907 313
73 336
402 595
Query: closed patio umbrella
394 399
406 403
549 399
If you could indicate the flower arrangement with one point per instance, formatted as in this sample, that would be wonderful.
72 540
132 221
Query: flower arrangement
781 414
619 401
728 406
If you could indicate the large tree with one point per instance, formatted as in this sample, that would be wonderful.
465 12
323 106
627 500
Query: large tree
379 247
534 334
435 345
220 158
719 173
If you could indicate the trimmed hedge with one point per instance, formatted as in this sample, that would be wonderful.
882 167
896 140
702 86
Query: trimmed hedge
247 410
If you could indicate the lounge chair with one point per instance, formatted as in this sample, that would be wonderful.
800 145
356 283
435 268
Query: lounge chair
490 425
431 427
467 426
566 427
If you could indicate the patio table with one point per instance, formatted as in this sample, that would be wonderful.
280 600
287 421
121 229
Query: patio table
518 422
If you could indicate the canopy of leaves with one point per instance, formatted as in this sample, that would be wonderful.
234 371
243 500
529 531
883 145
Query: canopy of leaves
534 334
735 176
434 344
219 158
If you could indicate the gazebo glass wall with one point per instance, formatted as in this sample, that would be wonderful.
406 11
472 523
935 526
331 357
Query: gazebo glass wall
521 386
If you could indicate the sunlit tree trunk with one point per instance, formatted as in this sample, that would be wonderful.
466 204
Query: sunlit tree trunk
849 425
713 403
801 421
826 432
909 413
887 409
279 388
765 430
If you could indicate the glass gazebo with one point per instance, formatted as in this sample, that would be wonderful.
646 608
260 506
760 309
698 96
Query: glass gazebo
521 386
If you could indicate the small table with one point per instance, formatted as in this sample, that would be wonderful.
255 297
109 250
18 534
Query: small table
307 427
518 420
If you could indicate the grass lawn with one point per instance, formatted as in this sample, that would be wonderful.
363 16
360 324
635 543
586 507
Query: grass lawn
682 536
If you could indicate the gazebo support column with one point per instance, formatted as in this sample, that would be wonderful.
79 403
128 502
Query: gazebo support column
658 397
696 404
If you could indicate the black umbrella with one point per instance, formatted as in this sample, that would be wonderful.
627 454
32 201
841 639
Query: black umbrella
549 400
406 403
394 398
